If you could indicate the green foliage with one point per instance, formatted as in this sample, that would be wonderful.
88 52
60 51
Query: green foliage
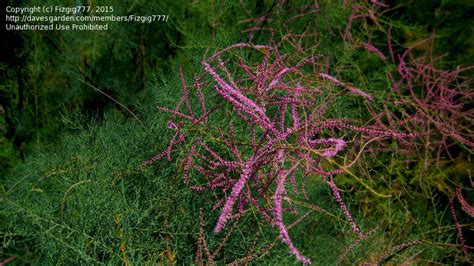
71 191
85 201
47 68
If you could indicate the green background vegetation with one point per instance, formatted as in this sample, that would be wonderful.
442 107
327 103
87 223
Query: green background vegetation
70 188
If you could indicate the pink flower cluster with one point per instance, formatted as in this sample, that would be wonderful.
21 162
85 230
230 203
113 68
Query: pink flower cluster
283 132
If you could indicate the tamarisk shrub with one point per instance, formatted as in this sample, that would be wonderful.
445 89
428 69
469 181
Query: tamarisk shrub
284 133
426 97
430 100
419 95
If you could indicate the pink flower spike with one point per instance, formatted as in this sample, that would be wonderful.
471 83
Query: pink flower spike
227 210
185 92
338 144
330 78
360 93
278 212
188 163
464 204
338 197
227 88
176 113
350 88
458 227
373 49
278 77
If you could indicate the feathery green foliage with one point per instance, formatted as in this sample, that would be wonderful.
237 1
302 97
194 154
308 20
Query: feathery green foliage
71 191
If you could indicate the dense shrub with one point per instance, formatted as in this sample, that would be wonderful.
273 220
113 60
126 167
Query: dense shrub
339 132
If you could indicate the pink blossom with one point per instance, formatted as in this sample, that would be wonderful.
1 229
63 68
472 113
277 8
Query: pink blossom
338 197
464 204
227 210
278 212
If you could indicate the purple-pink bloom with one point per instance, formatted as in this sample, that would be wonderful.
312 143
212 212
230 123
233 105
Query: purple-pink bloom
278 212
348 215
227 210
